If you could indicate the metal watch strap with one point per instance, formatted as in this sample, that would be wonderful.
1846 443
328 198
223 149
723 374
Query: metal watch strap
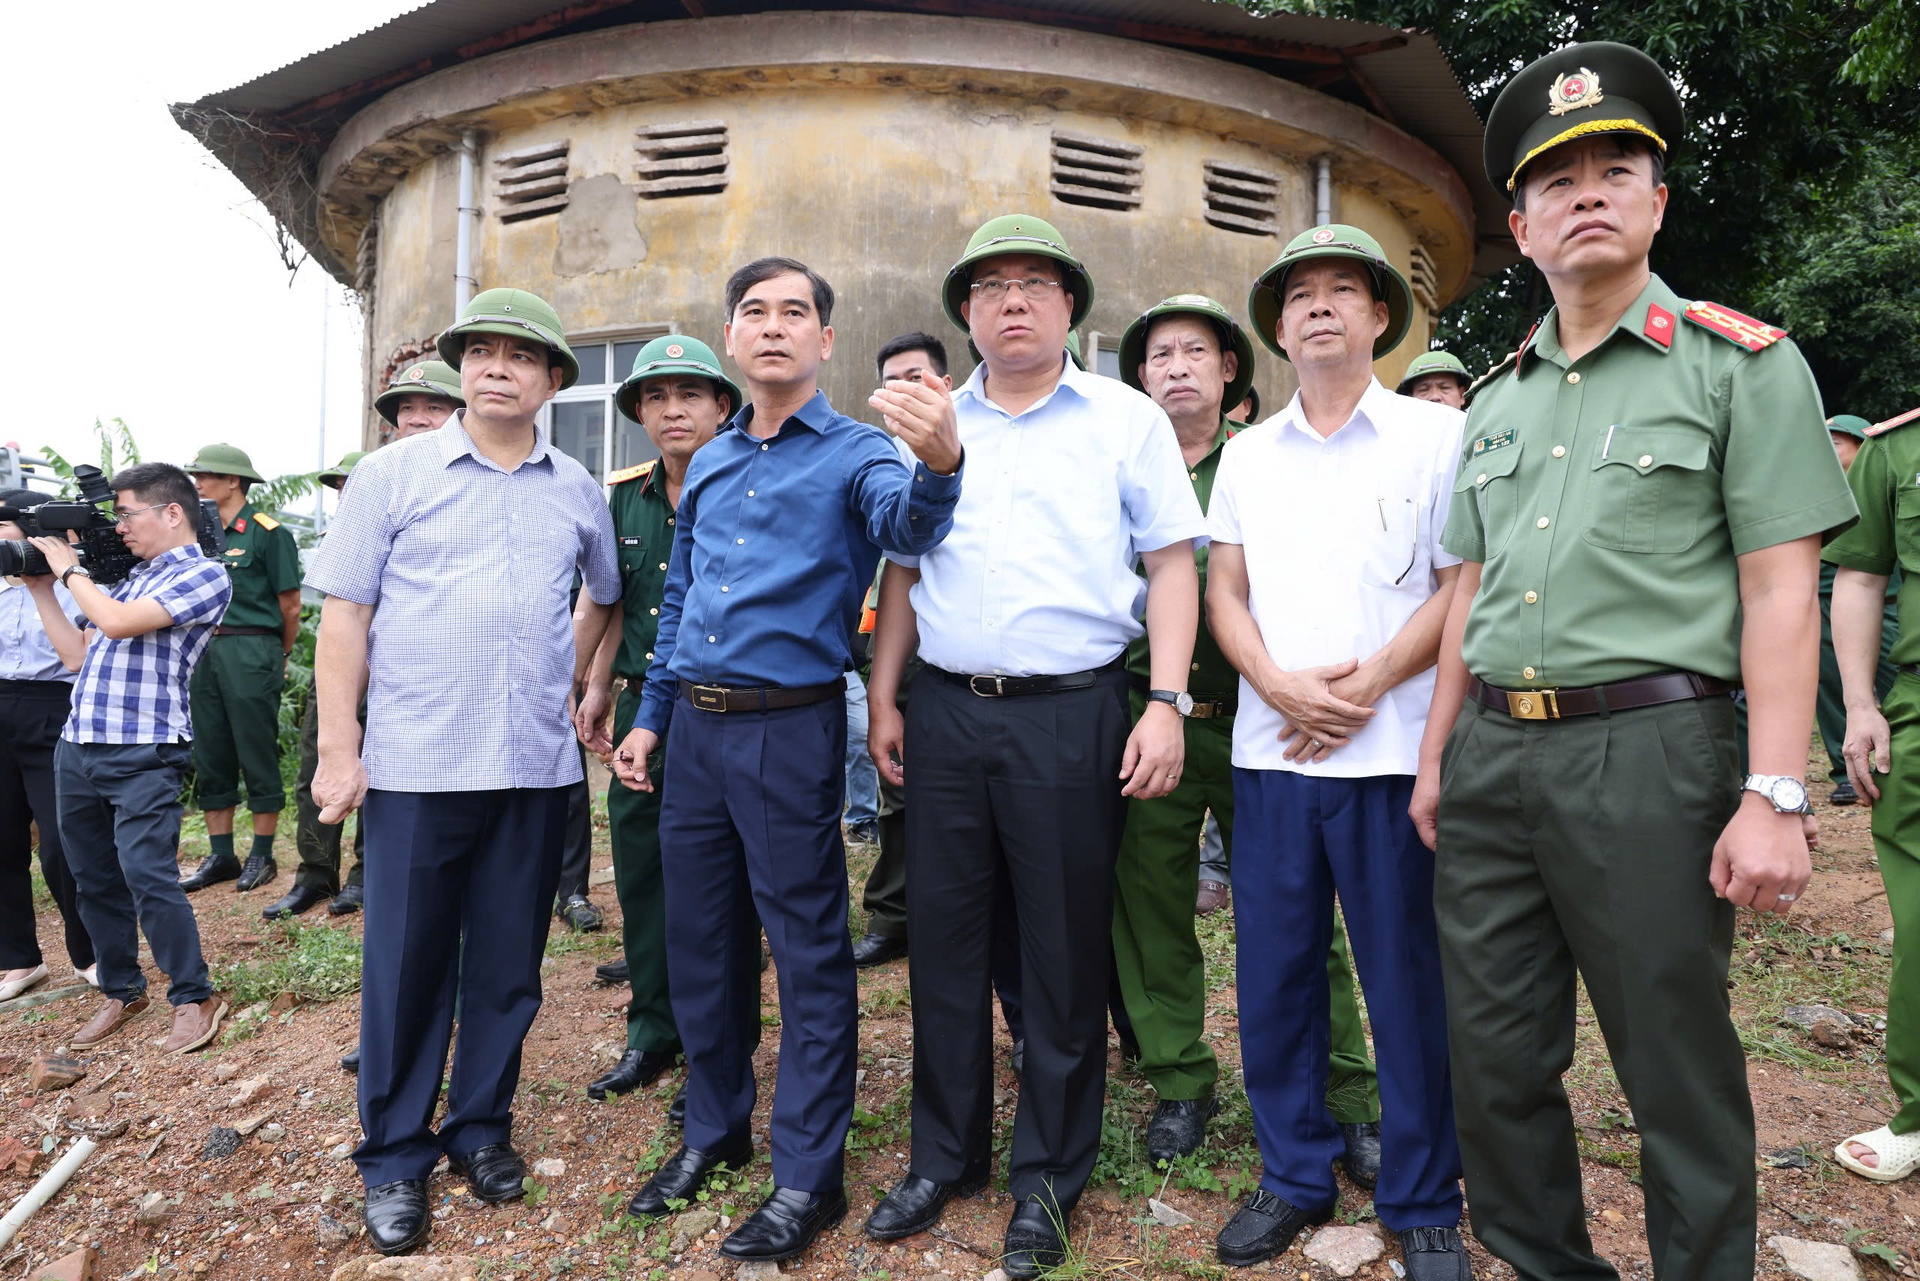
70 571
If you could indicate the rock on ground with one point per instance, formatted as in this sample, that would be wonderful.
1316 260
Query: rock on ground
1807 1015
1816 1260
550 1167
758 1270
222 1142
427 1267
55 1072
153 1208
1344 1251
78 1266
331 1231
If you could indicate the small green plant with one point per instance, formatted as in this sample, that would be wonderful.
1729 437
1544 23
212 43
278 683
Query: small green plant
536 1191
313 962
1858 1239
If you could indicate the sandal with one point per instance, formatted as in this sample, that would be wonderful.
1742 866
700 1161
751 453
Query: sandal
1899 1155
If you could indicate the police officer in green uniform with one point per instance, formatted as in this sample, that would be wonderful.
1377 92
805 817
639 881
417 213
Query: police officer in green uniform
1849 431
1882 750
1193 358
420 398
1642 492
1437 376
235 691
679 394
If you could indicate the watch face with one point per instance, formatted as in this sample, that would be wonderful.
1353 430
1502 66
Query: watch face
1184 704
1788 794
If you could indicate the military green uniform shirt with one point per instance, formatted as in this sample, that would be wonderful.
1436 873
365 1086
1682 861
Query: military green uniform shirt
1212 676
1609 497
263 560
643 524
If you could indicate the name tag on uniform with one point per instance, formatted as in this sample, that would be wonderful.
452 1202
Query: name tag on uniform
629 542
1487 444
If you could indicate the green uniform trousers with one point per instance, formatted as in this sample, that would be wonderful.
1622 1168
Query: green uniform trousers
885 898
1162 970
319 843
234 698
1830 705
1896 839
634 822
1583 845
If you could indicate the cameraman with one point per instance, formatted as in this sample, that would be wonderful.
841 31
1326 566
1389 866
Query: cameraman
118 765
36 693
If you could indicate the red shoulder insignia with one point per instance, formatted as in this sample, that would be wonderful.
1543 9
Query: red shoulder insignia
1659 324
1734 327
1912 415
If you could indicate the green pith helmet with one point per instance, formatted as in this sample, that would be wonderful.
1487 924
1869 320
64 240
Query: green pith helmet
1133 343
674 354
1577 92
518 314
1073 348
223 460
426 378
1017 234
1335 240
1434 362
1849 425
336 475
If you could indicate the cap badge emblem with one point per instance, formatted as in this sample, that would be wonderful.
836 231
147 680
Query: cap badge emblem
1572 91
414 375
1323 235
675 350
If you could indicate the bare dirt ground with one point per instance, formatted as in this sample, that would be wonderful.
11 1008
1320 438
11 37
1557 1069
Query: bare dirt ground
285 1202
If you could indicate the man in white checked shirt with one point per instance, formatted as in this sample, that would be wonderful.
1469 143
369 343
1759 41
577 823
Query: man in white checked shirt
447 574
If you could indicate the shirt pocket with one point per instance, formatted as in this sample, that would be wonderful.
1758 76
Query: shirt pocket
1390 525
1075 510
1648 491
237 557
1906 529
1496 493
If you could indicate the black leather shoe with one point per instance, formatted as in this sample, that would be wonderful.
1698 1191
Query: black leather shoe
213 869
865 832
350 1061
495 1172
635 1070
677 1109
612 972
1361 1160
682 1176
1265 1226
578 911
1036 1239
876 949
259 870
350 899
295 901
396 1214
915 1204
1435 1254
1019 1059
1178 1127
1843 793
785 1224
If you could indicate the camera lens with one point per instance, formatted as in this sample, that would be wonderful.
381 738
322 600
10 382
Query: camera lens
19 558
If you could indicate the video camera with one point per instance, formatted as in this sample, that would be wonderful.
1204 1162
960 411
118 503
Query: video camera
100 547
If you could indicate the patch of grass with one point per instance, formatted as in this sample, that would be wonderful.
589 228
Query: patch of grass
314 962
562 941
886 1000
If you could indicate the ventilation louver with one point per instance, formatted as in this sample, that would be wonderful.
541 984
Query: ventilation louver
1096 172
1241 199
685 158
531 182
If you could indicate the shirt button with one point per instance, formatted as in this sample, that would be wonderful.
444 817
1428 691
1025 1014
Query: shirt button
1481 479
1543 522
1572 378
749 493
724 589
1646 460
649 656
1527 672
710 640
1533 598
1196 667
1559 451
1193 475
663 564
763 448
654 612
669 520
740 542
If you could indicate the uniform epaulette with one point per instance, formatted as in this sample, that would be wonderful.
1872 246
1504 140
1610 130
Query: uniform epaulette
1898 420
632 473
1502 367
265 521
1734 327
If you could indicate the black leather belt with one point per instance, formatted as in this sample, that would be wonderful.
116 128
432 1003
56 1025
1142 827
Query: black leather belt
1621 696
758 698
1019 686
246 631
1206 707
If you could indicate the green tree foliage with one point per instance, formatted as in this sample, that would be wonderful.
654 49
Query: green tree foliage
1793 177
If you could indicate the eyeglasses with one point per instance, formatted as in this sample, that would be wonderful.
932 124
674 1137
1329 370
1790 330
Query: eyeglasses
122 515
1032 288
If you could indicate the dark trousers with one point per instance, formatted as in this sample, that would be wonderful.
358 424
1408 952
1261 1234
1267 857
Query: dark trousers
234 698
752 821
1021 792
120 828
1541 880
441 865
576 849
31 716
319 843
1301 840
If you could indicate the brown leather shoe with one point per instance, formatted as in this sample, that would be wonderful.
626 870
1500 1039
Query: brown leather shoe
111 1018
195 1023
1212 897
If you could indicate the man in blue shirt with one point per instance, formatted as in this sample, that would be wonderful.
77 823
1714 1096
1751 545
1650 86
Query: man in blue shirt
781 520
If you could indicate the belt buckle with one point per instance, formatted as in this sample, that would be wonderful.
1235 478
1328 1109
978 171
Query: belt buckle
997 687
1534 704
711 698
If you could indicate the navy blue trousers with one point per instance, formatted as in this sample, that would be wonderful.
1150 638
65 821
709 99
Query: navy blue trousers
1297 840
752 821
441 865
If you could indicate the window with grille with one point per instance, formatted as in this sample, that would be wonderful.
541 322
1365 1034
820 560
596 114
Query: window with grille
1096 172
1242 199
1425 279
583 421
531 182
685 158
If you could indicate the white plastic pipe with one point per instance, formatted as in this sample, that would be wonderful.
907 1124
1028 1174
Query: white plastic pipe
463 231
42 1192
1322 190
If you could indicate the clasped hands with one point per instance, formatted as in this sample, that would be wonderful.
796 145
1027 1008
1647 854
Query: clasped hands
1324 707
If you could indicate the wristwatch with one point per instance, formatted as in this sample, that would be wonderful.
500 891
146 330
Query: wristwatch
71 570
1786 794
1181 702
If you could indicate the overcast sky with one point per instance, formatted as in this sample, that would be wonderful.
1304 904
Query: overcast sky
144 277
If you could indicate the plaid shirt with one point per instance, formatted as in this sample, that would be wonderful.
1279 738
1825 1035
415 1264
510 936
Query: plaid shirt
135 690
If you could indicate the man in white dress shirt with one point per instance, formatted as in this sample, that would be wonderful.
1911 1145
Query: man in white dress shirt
1017 752
1327 590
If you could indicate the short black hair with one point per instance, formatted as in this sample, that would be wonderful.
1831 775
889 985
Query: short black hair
935 349
1629 143
766 269
157 484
